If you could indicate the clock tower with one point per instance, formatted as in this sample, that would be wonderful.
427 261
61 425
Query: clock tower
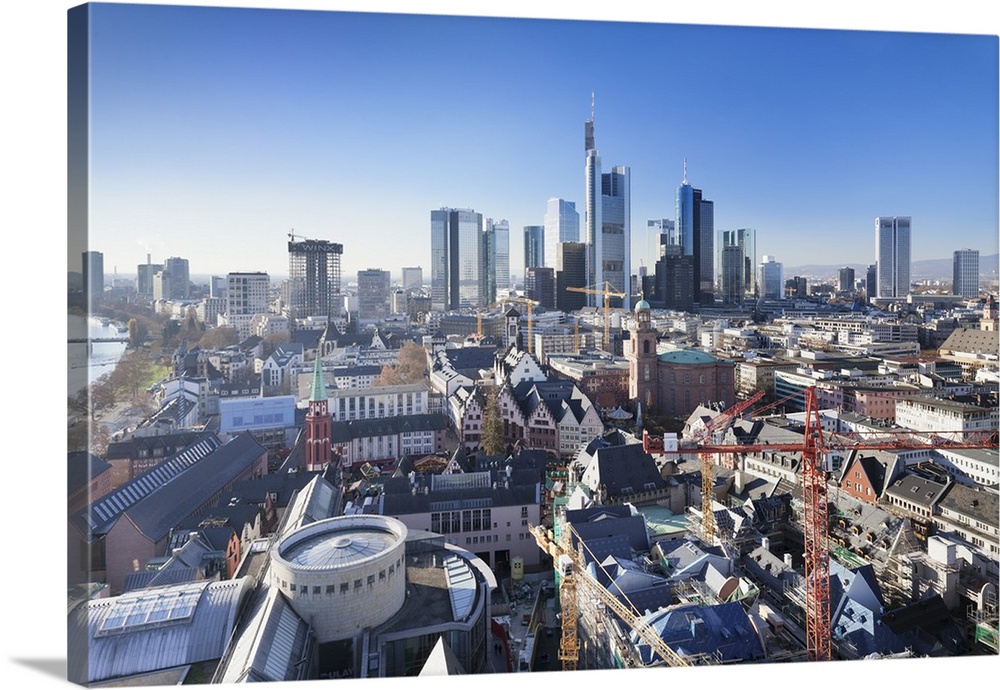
642 378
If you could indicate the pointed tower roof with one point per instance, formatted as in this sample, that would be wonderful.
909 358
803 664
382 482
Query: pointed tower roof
319 386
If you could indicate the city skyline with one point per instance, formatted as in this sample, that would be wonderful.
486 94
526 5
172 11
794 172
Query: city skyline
263 131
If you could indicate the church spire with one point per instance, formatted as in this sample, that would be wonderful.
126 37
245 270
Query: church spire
319 386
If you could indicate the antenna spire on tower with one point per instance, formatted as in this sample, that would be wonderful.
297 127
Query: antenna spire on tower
592 98
685 170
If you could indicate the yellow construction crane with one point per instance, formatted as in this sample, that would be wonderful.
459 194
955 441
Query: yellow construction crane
530 303
608 293
573 573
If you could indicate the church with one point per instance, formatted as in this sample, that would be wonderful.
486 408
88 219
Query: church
673 383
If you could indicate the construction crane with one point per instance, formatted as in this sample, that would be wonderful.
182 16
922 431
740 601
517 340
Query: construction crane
292 235
573 574
714 431
530 303
608 293
817 449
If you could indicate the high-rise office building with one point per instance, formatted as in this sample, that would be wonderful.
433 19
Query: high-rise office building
413 277
179 278
571 271
144 277
738 274
965 273
562 224
892 256
731 273
313 287
540 285
871 281
217 286
672 285
93 273
497 255
607 221
696 232
457 259
374 295
846 279
247 294
772 278
534 246
659 234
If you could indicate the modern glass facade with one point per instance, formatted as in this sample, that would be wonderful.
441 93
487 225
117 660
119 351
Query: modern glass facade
459 259
313 278
892 254
965 273
772 279
696 230
615 256
562 224
534 246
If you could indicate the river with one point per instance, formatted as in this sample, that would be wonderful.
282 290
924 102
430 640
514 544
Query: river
103 357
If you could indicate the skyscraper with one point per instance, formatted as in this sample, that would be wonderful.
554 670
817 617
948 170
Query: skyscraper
180 278
696 231
413 277
313 287
571 271
731 272
247 294
892 256
93 274
607 219
373 295
497 269
738 279
562 224
846 279
534 246
458 251
659 233
144 277
965 273
871 281
772 278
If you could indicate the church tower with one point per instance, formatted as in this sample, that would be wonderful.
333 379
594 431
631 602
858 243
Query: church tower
642 378
319 451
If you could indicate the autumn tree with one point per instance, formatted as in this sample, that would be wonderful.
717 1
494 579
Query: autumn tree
219 337
411 366
492 439
133 373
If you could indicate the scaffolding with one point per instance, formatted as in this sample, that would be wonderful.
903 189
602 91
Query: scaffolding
985 621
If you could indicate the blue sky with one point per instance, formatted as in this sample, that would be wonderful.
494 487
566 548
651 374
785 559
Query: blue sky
216 131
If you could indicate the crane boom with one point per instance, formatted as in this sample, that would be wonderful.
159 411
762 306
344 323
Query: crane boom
608 293
574 574
814 448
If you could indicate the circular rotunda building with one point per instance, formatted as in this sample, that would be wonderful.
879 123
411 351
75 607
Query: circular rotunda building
343 574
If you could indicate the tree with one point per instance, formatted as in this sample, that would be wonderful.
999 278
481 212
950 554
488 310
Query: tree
411 366
272 340
219 337
133 372
493 441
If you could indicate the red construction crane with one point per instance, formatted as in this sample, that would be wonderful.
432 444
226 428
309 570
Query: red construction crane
816 447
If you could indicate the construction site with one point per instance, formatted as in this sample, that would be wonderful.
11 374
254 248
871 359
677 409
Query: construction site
761 538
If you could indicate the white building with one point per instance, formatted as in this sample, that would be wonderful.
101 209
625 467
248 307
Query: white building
247 294
937 415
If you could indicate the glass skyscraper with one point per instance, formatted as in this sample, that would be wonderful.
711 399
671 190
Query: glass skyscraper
892 256
607 218
695 222
562 224
965 273
534 246
459 259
